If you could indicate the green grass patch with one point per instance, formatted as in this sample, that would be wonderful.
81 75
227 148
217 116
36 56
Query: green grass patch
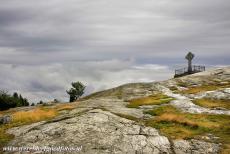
156 99
213 103
177 125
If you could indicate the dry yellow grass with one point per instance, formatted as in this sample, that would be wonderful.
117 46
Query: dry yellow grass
194 90
206 87
177 132
20 118
177 125
65 107
35 115
187 120
156 99
176 118
40 113
225 149
213 103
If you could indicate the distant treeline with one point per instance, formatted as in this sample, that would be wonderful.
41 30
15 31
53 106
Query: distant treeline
10 101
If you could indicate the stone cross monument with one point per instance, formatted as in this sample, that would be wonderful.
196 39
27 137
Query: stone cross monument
189 57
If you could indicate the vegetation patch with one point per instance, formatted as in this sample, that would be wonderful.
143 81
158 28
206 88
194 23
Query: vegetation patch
213 103
173 88
20 118
156 99
206 87
11 101
62 107
38 114
182 84
177 125
198 89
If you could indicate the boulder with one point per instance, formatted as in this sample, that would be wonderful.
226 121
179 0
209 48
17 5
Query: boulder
5 119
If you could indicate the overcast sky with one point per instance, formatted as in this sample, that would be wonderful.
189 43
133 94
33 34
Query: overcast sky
47 44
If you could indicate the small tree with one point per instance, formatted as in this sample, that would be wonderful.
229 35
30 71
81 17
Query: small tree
40 102
76 91
56 100
15 95
25 102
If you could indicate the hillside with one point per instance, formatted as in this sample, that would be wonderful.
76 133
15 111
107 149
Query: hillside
185 115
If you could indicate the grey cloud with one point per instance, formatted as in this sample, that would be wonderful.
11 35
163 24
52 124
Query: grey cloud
36 86
105 43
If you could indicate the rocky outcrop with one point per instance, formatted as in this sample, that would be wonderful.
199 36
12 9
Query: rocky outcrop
194 147
185 104
95 124
216 94
99 131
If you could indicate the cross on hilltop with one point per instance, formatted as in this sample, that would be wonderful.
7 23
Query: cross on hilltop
190 57
191 69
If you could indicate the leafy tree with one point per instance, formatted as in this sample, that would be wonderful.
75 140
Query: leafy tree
32 104
25 102
76 91
10 101
6 101
15 95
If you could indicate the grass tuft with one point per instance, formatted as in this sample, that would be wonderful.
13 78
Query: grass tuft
182 84
213 103
173 88
156 99
37 114
32 116
206 87
198 89
20 118
62 107
178 125
176 118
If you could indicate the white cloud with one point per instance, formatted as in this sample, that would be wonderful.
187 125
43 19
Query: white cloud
50 81
151 67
